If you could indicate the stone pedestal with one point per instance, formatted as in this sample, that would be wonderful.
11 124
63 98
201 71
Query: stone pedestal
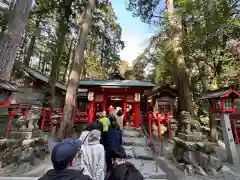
192 136
24 135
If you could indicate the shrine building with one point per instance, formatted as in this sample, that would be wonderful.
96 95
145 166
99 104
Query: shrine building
118 93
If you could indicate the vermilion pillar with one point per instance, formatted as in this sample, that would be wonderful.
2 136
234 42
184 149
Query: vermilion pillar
125 109
91 110
90 113
137 114
104 102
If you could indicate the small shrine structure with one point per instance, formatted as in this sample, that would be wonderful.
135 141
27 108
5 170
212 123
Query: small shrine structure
6 90
34 81
103 93
33 98
221 101
162 100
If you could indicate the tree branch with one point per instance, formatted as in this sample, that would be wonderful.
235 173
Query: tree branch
160 17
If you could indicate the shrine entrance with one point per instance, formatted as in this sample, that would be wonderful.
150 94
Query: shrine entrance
119 93
115 101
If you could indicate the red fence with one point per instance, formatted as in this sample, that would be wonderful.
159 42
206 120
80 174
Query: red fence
158 119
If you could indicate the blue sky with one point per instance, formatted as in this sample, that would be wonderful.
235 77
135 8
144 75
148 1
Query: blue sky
135 33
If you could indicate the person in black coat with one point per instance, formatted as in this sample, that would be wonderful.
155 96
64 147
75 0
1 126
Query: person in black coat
123 170
112 141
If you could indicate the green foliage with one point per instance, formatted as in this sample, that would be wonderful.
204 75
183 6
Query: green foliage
209 42
49 20
145 9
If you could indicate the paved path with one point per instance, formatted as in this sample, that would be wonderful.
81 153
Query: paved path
140 154
137 151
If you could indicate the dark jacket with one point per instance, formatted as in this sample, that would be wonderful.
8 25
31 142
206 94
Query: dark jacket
114 139
67 174
125 171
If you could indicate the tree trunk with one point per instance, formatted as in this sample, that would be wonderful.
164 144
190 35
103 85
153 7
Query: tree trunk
185 98
11 40
43 64
32 43
70 64
213 127
65 12
73 83
203 75
69 60
22 49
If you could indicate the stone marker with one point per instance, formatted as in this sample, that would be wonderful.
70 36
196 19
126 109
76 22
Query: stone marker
228 138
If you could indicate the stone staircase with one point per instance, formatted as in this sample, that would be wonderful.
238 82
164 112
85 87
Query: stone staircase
141 155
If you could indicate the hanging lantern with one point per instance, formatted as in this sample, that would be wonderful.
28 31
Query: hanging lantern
90 96
137 97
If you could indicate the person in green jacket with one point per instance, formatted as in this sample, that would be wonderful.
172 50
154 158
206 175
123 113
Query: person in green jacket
105 121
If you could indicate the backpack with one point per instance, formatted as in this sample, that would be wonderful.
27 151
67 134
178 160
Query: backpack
132 173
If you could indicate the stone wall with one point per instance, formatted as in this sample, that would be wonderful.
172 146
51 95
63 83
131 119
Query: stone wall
18 156
201 157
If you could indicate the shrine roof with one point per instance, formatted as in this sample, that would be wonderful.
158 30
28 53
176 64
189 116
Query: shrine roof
39 75
220 93
119 83
8 86
171 90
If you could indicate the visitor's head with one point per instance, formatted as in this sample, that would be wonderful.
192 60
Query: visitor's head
120 113
104 113
118 155
64 153
94 136
97 116
90 126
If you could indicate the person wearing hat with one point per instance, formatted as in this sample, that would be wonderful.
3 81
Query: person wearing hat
63 155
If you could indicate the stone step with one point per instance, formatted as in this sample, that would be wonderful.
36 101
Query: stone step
148 169
138 152
129 128
143 153
131 133
136 141
129 151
